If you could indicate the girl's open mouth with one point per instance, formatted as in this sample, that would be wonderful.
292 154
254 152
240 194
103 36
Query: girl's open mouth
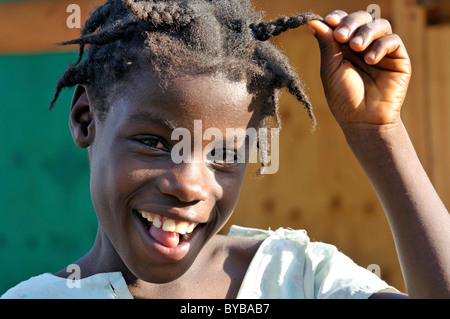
166 231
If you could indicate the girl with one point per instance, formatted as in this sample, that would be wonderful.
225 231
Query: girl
154 66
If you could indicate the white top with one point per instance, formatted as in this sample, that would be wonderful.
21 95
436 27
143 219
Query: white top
286 265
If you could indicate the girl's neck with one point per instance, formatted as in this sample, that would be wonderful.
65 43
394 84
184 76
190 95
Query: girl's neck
102 258
222 264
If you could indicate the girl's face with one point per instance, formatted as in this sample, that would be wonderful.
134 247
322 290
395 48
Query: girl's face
133 174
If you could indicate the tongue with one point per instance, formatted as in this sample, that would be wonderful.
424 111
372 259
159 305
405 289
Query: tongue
165 238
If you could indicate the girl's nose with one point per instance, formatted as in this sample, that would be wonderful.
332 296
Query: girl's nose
188 182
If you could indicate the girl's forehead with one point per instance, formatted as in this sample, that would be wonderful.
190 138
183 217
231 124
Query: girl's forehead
215 100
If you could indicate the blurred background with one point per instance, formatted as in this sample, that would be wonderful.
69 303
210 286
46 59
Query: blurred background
46 216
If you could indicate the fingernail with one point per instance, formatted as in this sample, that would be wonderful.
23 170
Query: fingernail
357 40
333 16
370 56
343 32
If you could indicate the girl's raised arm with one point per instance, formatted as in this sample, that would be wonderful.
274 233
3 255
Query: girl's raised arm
365 71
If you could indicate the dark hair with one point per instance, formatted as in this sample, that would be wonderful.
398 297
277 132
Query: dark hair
205 36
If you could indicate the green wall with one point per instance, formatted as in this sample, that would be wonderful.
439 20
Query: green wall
46 216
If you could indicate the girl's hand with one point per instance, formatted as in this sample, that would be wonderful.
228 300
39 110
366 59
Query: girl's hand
365 69
365 74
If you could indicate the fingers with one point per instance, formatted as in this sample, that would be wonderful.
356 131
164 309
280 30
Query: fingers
335 17
349 24
367 33
330 49
373 38
390 45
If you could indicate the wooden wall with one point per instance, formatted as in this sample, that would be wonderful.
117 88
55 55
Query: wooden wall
319 186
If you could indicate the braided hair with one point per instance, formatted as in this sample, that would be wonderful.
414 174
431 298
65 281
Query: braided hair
206 36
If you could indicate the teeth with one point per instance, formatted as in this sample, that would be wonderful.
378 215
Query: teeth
190 228
157 222
169 224
147 216
182 227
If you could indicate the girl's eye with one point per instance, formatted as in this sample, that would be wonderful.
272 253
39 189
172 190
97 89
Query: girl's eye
223 156
152 141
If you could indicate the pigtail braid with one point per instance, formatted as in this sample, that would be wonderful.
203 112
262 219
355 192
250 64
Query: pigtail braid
77 73
161 14
295 87
263 31
106 36
74 75
95 21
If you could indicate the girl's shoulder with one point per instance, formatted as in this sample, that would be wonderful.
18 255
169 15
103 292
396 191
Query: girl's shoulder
240 247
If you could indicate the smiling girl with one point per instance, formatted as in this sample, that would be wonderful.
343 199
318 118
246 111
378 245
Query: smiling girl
154 66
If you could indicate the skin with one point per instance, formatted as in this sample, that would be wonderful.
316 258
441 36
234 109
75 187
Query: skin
365 84
132 168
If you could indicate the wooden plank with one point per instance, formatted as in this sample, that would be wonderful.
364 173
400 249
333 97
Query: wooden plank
438 11
34 26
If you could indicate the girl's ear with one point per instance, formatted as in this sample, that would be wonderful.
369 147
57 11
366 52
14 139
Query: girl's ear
81 119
